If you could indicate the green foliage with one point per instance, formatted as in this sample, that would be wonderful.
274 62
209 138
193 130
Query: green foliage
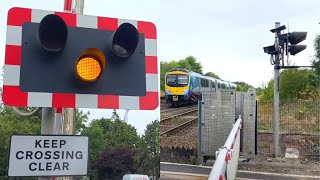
267 92
113 163
211 74
11 124
106 136
316 61
82 118
242 86
149 152
97 141
264 127
259 91
300 114
316 46
194 65
189 63
294 84
298 83
104 133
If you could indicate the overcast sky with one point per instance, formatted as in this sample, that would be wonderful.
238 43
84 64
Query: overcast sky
227 36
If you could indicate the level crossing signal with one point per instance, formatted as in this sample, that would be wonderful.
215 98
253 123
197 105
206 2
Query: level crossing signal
65 60
288 41
292 40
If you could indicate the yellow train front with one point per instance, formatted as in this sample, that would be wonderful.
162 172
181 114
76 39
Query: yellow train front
177 87
185 87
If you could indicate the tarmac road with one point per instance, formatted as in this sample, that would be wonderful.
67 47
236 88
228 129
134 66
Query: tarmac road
171 171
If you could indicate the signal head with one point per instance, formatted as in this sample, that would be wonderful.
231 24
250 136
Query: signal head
269 49
295 49
125 40
297 37
52 33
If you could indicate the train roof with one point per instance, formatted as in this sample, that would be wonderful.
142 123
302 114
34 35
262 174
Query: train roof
200 75
179 69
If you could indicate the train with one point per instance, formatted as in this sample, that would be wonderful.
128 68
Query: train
184 87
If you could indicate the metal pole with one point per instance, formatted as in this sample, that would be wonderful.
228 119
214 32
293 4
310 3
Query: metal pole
69 114
126 115
276 94
58 129
47 126
79 6
67 5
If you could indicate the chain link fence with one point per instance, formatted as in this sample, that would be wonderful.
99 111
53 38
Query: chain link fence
299 128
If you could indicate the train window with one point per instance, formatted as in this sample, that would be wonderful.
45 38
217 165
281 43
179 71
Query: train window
177 80
219 85
213 84
183 79
204 83
171 78
196 82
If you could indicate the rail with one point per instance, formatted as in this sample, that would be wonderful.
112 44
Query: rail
225 166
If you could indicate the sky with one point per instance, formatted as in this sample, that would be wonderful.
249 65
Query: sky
227 37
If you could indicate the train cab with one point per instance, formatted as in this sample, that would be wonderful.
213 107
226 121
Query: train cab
177 86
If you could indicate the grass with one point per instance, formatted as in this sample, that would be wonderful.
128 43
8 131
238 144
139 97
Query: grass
295 117
264 127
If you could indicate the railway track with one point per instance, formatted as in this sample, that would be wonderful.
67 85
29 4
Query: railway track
176 112
178 126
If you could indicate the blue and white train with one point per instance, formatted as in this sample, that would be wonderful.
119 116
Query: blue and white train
185 87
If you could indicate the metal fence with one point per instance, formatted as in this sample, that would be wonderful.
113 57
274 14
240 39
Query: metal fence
299 128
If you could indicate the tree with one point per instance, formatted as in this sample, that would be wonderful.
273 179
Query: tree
97 142
316 62
294 84
10 124
195 66
211 74
149 151
106 133
81 118
242 86
152 139
189 63
118 133
113 163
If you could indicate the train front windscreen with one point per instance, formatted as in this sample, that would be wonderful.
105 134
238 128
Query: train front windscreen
177 80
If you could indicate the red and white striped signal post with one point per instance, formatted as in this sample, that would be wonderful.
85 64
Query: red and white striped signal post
64 60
